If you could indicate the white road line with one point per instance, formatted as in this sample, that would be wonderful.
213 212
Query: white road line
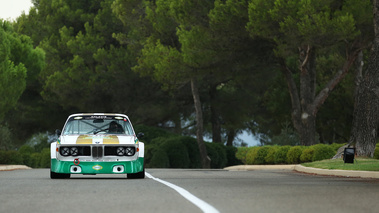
205 207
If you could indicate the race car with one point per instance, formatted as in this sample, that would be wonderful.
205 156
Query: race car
97 143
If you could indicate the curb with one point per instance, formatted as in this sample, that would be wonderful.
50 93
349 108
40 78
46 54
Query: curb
260 167
13 167
309 170
336 172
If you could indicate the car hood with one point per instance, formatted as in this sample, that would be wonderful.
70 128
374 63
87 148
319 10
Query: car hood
97 139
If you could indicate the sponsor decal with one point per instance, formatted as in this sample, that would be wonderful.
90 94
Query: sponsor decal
113 139
76 161
86 139
97 167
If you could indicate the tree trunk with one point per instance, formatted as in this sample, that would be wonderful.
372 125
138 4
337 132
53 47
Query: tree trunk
215 120
365 120
305 104
205 160
231 133
307 95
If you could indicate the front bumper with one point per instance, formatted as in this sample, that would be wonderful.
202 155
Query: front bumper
97 167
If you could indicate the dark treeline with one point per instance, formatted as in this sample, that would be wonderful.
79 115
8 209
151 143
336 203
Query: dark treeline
284 71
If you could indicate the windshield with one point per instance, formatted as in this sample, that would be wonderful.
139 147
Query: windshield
98 124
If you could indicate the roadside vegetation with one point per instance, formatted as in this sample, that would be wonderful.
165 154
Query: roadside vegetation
260 155
295 75
163 149
361 164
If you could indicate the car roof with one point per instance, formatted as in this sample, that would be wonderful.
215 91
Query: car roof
87 114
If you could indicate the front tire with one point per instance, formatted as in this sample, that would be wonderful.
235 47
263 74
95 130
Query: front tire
54 175
138 175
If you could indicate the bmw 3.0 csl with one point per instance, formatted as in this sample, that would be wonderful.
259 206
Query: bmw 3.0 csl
97 143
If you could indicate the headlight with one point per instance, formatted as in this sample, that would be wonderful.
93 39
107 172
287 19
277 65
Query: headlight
120 151
74 151
129 151
65 151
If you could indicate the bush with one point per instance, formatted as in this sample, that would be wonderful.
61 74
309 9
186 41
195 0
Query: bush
376 152
307 155
193 151
261 155
177 153
26 152
241 154
10 157
150 150
270 157
35 160
159 159
252 154
293 155
231 156
217 153
322 152
45 158
281 154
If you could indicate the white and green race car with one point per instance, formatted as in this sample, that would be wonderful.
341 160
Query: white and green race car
97 143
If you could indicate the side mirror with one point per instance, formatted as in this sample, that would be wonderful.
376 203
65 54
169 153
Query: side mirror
140 135
58 132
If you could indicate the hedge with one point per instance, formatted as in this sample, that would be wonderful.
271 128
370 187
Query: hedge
288 154
183 152
293 155
22 157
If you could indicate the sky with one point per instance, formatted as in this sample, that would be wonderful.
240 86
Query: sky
11 9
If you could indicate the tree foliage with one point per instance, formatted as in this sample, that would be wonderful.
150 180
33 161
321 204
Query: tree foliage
225 66
19 63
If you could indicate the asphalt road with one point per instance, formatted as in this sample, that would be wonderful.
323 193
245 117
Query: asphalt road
177 190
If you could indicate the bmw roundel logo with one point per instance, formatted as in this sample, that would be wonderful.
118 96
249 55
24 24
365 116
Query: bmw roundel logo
97 167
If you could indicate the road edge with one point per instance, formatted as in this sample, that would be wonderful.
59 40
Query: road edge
13 167
308 170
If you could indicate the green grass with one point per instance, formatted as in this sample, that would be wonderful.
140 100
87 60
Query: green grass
361 164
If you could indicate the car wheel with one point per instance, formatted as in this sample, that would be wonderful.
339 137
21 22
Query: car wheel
54 175
138 175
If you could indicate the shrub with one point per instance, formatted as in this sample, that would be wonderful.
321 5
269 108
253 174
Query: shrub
26 152
45 158
261 155
241 154
150 149
251 154
217 154
376 152
322 152
193 151
177 153
159 159
35 160
270 157
10 157
231 156
293 155
307 155
281 154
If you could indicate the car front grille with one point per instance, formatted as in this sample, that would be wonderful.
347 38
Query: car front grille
97 151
